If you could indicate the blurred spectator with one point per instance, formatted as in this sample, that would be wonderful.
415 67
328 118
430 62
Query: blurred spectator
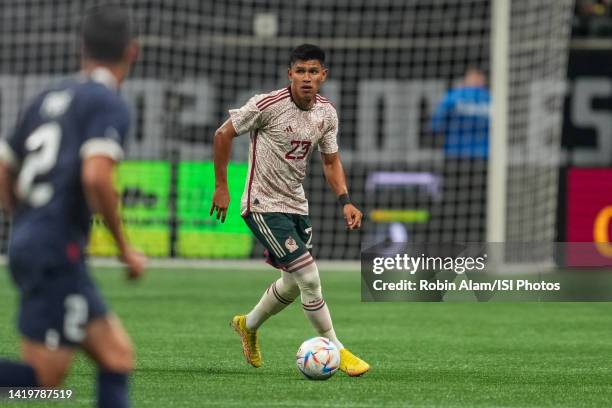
462 120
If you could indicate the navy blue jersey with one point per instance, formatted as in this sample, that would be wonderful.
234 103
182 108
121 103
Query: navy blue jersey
75 119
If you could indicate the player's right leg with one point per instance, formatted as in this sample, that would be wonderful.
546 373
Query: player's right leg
17 374
50 364
276 297
277 232
268 229
41 366
43 309
109 345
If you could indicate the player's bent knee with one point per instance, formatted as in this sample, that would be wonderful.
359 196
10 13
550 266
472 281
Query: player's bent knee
308 280
109 345
122 360
312 294
50 377
50 366
119 360
294 292
311 289
290 288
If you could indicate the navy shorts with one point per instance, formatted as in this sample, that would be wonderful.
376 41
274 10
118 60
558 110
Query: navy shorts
57 299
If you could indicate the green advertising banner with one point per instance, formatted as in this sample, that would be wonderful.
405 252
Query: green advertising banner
144 188
199 234
145 191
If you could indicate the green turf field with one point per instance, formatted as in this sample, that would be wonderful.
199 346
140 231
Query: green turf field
422 354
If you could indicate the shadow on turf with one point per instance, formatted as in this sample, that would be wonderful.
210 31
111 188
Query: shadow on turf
213 371
216 371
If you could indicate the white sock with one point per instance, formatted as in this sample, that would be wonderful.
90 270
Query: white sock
278 296
315 309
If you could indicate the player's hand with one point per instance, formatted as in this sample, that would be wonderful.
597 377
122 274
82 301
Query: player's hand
352 216
220 202
134 261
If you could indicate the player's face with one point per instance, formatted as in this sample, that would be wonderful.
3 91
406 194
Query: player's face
306 78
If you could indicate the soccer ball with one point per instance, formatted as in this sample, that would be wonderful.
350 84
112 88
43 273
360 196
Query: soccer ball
318 358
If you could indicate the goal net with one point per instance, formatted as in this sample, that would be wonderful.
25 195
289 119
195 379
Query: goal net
414 128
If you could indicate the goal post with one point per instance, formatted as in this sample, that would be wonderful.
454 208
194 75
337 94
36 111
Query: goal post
529 51
496 182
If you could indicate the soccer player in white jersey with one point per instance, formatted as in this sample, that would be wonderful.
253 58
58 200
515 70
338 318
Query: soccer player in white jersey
285 126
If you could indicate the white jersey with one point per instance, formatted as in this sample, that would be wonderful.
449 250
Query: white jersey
283 137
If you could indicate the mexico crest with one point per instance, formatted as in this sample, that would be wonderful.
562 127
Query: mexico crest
290 244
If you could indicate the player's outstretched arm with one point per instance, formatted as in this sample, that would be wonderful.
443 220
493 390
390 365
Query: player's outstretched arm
222 151
7 188
97 179
334 174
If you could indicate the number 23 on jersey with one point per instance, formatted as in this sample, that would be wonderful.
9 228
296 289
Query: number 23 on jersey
299 149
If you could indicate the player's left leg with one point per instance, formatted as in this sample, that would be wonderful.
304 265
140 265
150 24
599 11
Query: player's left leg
305 272
109 345
307 277
315 308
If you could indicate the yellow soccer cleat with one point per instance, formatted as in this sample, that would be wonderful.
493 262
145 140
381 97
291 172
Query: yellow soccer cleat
352 365
250 342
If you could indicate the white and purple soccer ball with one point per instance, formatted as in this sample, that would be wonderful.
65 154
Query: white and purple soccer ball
318 358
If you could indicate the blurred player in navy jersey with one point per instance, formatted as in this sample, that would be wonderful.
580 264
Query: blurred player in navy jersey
55 170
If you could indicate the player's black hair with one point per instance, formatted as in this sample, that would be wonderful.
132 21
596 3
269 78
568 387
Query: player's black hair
307 52
106 31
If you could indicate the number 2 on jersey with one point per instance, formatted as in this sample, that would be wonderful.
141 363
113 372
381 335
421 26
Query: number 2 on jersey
42 148
294 154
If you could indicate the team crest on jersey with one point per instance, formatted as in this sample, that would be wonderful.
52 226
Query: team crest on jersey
291 245
56 103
